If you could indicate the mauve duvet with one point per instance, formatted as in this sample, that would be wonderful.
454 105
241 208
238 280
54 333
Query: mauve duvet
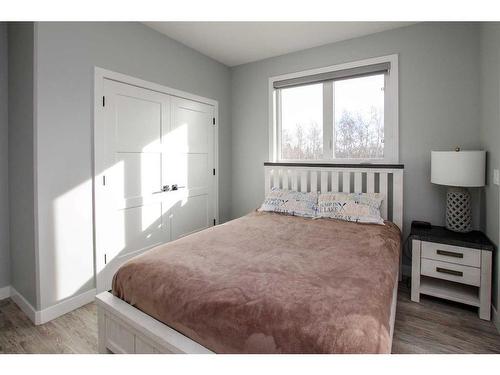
270 283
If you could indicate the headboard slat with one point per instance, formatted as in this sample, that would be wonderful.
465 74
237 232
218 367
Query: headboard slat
324 181
275 178
284 179
397 198
358 182
303 181
383 188
314 181
370 182
295 179
335 181
267 180
346 182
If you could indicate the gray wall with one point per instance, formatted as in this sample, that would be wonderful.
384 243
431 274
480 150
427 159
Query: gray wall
490 134
4 161
438 96
21 171
67 54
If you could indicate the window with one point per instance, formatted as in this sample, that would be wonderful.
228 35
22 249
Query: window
345 114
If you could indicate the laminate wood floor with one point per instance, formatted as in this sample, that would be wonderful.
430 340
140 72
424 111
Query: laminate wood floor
436 326
433 326
75 332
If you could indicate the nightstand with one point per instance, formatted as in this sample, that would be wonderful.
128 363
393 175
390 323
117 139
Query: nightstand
454 266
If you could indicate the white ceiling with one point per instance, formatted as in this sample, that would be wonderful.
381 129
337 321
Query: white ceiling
235 43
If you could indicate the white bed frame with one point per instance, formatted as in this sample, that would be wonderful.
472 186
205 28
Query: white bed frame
124 329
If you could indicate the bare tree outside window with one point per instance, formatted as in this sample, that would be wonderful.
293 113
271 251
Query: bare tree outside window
357 137
305 143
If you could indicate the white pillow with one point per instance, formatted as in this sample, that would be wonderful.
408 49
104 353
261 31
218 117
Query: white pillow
291 202
357 207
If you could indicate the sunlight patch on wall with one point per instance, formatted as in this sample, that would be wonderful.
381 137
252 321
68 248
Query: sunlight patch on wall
72 246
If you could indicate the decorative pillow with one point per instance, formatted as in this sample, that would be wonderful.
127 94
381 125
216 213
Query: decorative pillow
291 202
357 207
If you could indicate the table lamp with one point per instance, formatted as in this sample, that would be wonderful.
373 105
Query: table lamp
458 170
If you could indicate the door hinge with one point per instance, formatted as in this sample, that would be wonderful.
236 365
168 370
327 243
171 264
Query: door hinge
215 223
104 180
213 172
213 120
105 259
103 100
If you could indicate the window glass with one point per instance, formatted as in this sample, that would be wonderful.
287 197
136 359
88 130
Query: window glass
302 122
359 118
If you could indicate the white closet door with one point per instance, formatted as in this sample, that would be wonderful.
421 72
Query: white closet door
189 164
158 153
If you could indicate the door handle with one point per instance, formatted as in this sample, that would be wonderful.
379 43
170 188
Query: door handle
177 187
164 189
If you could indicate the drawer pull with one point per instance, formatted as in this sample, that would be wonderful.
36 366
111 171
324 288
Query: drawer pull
450 272
449 253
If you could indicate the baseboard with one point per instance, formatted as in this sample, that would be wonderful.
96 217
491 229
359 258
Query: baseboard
5 292
495 317
52 312
25 306
66 306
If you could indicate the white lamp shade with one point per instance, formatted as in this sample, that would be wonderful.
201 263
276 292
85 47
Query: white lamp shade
458 168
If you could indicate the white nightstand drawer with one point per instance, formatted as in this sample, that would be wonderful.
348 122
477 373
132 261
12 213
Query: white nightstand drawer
451 254
449 271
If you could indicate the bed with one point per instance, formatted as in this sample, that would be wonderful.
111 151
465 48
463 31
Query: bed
267 283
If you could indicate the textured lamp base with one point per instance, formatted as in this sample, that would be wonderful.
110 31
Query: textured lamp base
458 210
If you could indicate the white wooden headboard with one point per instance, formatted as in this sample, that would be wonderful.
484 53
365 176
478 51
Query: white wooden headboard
368 178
